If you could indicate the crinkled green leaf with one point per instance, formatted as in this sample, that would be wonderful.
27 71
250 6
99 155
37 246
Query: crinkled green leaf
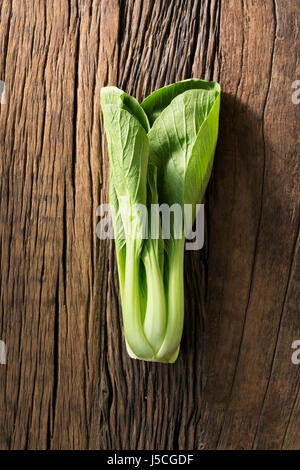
182 143
155 103
200 162
154 226
119 233
114 96
128 151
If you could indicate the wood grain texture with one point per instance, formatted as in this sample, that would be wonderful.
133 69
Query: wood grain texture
68 382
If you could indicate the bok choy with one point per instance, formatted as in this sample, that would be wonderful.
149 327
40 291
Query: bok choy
161 153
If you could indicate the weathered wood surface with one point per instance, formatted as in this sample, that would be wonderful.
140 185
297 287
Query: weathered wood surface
68 382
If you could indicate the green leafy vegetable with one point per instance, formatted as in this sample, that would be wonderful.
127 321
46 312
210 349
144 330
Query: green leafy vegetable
161 152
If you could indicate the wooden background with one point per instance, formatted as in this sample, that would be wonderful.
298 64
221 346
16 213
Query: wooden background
68 382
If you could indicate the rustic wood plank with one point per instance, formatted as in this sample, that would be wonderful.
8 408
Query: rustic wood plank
68 382
278 216
34 151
